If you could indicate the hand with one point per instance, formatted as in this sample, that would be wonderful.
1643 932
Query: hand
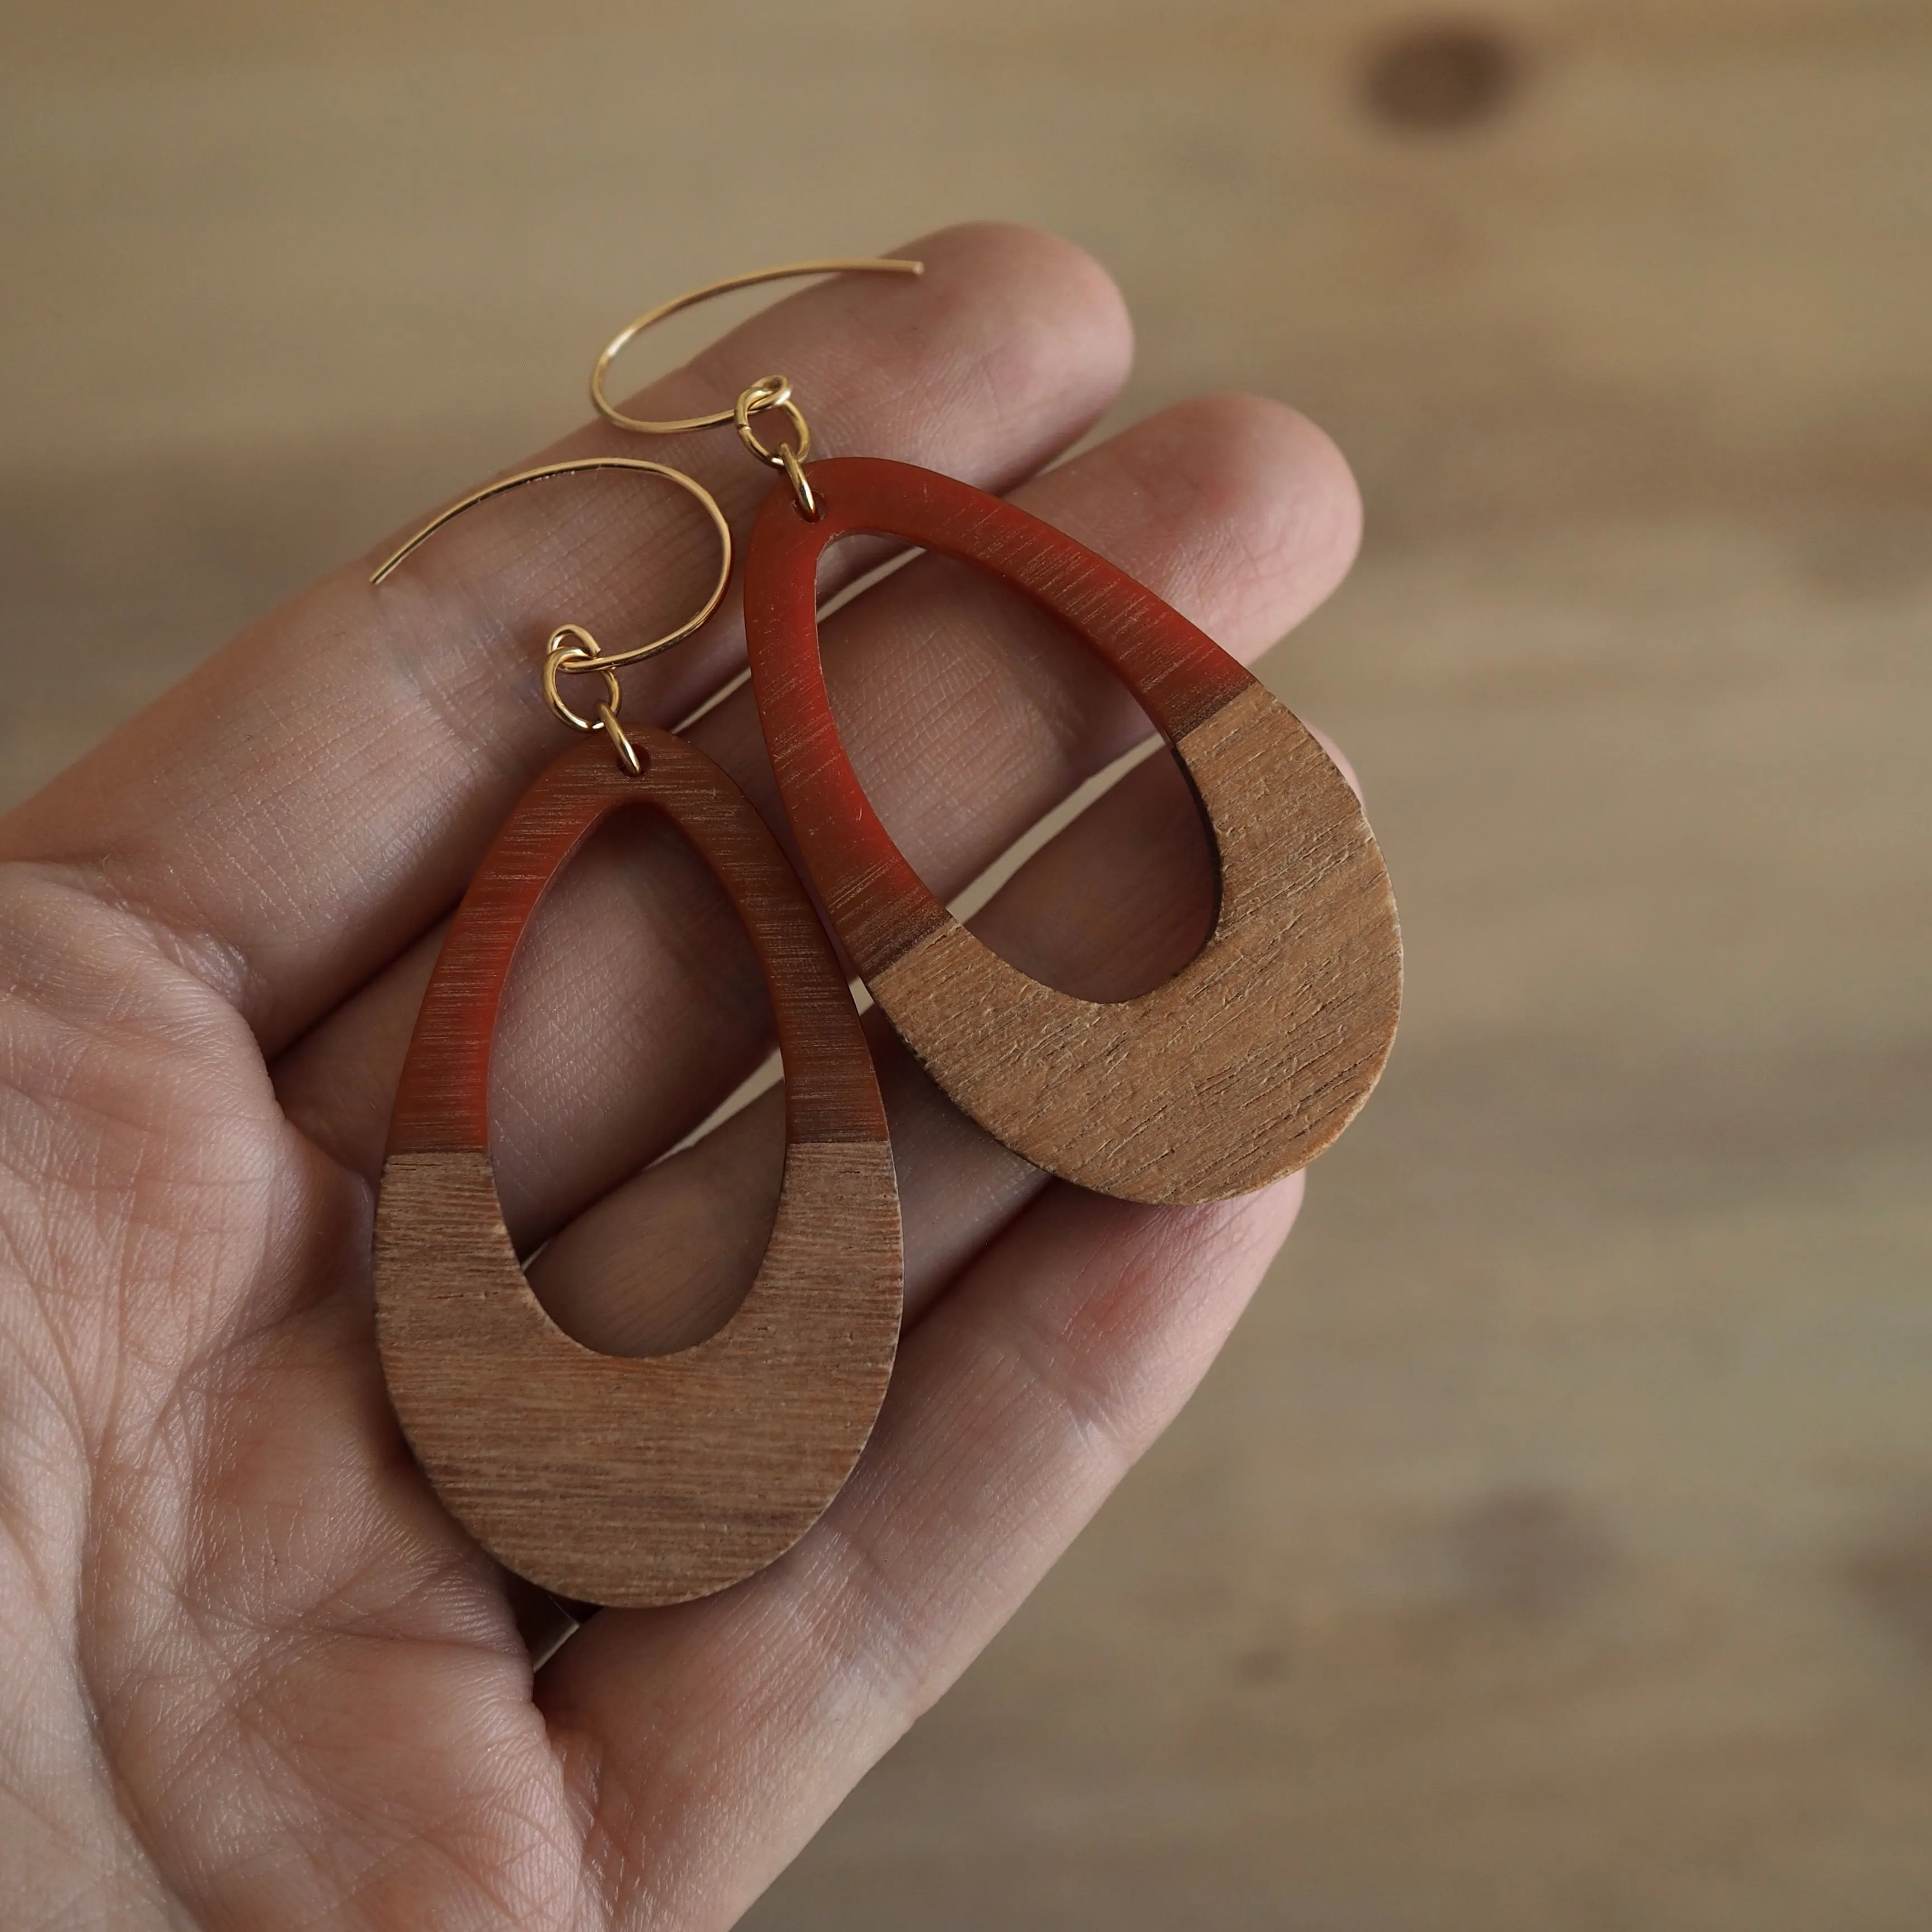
257 1677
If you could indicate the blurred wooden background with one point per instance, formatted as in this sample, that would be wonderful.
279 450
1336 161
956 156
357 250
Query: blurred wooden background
1553 1546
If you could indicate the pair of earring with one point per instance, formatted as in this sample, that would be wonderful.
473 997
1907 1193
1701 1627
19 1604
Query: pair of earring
643 1481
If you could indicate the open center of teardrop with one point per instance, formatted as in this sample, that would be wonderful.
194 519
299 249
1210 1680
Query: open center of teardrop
1020 779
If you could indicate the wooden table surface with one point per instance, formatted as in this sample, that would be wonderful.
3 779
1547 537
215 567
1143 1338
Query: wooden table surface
1553 1548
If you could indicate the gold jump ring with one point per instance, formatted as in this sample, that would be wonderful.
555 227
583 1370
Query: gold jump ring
689 484
627 752
773 392
801 483
584 655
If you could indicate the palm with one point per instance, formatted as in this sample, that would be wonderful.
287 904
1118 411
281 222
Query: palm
270 1635
260 1678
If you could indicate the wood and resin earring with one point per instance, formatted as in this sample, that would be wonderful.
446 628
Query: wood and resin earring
635 1481
1253 1058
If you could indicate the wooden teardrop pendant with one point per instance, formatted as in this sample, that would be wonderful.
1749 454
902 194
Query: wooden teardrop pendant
646 1481
1250 1060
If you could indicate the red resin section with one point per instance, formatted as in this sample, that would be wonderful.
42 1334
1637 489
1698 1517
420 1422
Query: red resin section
877 902
443 1101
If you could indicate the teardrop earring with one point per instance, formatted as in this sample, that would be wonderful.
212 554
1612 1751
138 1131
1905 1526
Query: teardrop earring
1253 1058
634 1481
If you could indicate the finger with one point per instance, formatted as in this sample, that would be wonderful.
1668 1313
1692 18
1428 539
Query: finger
723 1733
1238 511
661 1262
298 810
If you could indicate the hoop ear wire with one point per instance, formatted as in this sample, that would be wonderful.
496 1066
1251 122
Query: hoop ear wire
860 264
689 484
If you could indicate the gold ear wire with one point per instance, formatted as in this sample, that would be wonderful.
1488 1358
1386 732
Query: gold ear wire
580 659
584 654
860 264
572 649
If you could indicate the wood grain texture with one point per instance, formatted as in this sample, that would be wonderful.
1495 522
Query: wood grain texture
638 1481
1250 1060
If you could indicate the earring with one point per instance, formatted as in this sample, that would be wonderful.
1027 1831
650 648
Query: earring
627 1481
1250 1060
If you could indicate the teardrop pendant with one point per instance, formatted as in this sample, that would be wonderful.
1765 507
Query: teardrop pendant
1250 1061
638 1481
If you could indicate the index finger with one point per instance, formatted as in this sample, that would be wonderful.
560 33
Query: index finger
296 811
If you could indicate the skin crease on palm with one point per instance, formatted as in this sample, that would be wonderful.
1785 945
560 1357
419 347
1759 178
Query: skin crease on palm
256 1678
